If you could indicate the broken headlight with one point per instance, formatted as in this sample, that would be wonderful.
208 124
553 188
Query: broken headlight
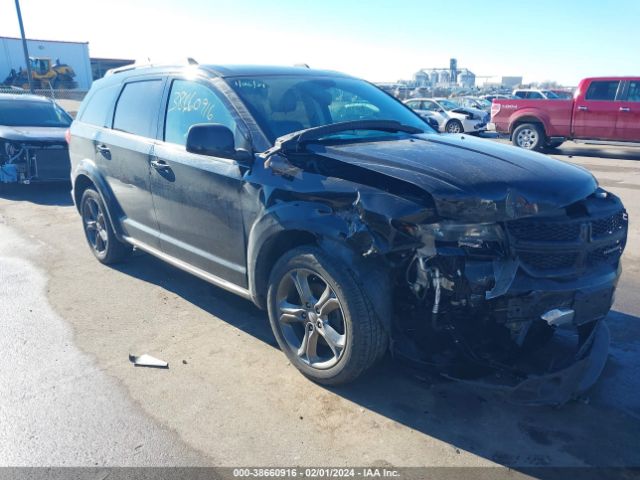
469 236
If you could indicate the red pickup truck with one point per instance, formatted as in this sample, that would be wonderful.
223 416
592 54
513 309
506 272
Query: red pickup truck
603 110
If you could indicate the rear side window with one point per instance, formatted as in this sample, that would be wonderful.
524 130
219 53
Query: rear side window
633 95
137 108
191 103
99 105
604 90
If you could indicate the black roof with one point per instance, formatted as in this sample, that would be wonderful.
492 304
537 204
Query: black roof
224 71
263 70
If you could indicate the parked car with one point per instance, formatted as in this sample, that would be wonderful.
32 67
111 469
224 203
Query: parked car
494 96
32 139
474 102
563 94
535 94
356 235
451 117
604 109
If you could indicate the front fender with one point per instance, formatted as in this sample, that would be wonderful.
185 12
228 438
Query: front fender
331 231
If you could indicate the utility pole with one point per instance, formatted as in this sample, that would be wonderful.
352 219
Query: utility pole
24 46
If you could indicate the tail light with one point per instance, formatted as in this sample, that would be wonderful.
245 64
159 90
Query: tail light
495 109
67 136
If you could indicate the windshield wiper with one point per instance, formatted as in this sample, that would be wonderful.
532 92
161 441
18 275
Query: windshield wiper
295 141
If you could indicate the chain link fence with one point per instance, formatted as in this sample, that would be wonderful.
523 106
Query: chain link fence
67 99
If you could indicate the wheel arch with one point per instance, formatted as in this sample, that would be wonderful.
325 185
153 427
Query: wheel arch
296 225
529 117
87 176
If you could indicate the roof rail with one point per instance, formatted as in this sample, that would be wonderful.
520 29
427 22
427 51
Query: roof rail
147 63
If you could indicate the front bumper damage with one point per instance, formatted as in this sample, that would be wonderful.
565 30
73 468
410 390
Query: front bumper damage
515 306
26 162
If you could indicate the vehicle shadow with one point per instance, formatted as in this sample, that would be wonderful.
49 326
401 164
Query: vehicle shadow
596 151
51 194
602 432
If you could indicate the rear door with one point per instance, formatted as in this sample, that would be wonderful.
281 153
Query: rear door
596 110
628 124
198 198
124 154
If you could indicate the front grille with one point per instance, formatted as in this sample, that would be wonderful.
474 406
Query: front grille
554 247
532 230
602 255
549 261
609 225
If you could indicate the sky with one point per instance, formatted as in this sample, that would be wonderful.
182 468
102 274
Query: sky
561 40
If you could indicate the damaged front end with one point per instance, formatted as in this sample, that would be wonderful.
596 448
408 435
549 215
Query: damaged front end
518 304
28 161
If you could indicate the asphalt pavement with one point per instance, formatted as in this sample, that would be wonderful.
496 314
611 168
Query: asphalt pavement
70 396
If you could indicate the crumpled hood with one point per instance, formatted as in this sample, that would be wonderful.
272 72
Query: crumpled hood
32 134
470 178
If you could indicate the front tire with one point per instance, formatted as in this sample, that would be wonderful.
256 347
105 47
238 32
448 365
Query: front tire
97 229
321 317
454 126
529 136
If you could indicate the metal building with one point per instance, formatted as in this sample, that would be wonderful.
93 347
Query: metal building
73 54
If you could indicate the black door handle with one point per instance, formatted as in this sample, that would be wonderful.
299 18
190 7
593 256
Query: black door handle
160 164
104 151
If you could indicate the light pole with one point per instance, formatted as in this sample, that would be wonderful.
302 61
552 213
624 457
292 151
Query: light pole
24 46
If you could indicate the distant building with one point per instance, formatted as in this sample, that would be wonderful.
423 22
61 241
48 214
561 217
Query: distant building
99 66
74 54
445 77
498 81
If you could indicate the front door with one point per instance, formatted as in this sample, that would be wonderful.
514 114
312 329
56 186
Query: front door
197 198
124 155
596 111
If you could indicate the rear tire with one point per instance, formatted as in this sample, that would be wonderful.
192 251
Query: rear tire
332 315
98 231
529 136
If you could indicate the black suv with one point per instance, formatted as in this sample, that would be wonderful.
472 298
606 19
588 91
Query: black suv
328 202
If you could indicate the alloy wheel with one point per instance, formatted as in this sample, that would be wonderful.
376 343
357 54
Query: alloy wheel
311 318
94 225
527 138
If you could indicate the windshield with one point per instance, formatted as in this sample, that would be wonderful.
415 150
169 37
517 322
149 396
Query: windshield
285 104
26 113
448 104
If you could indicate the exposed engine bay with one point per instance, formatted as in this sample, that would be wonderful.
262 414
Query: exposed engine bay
513 301
24 162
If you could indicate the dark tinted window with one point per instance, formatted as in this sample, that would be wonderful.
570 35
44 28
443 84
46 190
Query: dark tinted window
28 113
633 95
137 108
602 90
191 103
99 105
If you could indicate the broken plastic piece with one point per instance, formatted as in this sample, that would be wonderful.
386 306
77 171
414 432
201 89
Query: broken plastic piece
147 361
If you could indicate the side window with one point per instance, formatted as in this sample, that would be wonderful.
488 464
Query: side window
431 106
633 95
520 94
98 106
414 104
603 90
137 108
191 103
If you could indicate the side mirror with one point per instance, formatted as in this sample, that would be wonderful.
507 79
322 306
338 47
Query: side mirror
215 140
